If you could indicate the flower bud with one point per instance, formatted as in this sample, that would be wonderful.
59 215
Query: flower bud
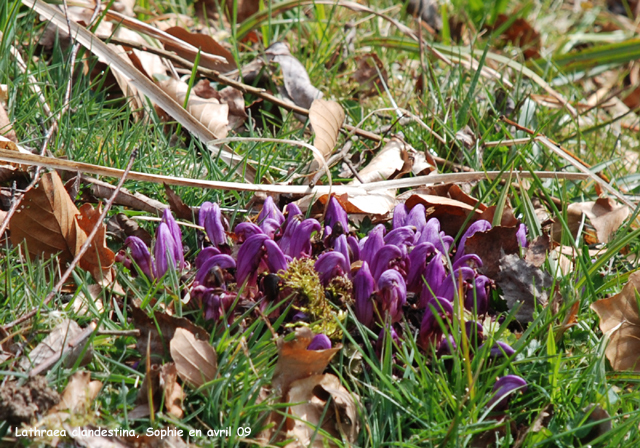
210 217
164 250
320 342
478 226
393 294
335 213
363 287
141 255
174 228
503 388
329 265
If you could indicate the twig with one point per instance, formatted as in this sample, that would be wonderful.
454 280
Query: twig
82 250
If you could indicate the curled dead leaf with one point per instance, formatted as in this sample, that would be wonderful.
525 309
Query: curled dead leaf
204 42
79 393
326 118
620 322
604 215
173 394
491 246
452 214
196 361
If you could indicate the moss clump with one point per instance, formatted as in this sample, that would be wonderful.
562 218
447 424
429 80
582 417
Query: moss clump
302 283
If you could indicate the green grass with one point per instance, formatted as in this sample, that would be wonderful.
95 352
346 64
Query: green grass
409 398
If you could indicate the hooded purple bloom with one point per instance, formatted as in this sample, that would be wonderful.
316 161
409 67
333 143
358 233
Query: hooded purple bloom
372 245
174 228
270 227
477 299
503 388
210 217
292 209
249 258
335 213
434 275
399 216
467 260
270 211
342 246
478 226
383 258
320 342
363 287
205 254
500 349
217 304
447 346
290 230
141 255
300 245
329 265
521 235
164 250
276 261
245 229
354 248
417 217
393 294
430 329
402 236
449 287
221 261
418 264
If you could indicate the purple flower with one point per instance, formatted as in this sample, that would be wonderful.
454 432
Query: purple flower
320 342
341 245
246 229
468 259
521 235
393 294
300 245
503 388
336 214
205 254
477 299
164 250
418 264
431 234
354 248
449 287
399 216
249 258
141 255
174 228
402 236
372 245
447 346
417 217
270 227
478 226
500 349
434 275
276 261
290 229
329 265
430 329
270 211
210 217
221 261
363 287
381 262
292 210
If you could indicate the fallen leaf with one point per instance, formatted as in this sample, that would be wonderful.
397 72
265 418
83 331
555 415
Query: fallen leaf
53 344
605 215
83 305
295 362
173 394
207 9
230 96
620 322
142 406
79 394
326 119
491 246
376 205
386 162
297 84
452 214
521 34
210 112
121 226
99 258
48 222
21 404
181 210
6 128
537 250
340 418
205 43
371 78
162 333
523 285
196 361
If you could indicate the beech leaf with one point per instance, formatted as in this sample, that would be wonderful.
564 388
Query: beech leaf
196 361
205 43
326 118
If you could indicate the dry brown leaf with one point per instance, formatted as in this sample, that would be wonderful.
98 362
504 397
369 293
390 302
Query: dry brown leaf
173 394
452 214
205 43
523 285
296 362
6 128
99 258
491 246
521 34
151 381
620 322
537 250
368 75
48 222
210 112
79 393
326 118
62 334
181 210
389 160
229 95
121 226
605 216
196 360
166 324
340 419
82 305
